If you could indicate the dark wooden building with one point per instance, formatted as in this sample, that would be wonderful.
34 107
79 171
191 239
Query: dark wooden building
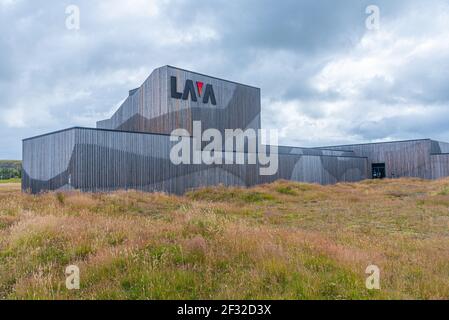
131 150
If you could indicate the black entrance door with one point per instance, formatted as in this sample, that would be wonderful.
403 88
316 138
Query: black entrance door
378 170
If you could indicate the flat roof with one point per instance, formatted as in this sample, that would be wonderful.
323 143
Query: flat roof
87 128
368 143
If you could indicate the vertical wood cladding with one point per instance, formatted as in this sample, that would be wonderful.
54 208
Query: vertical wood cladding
152 109
105 160
402 158
439 159
438 147
46 161
440 165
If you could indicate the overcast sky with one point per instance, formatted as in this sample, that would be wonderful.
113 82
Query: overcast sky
325 77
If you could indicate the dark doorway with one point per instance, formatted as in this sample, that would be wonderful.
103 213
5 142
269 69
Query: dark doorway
378 170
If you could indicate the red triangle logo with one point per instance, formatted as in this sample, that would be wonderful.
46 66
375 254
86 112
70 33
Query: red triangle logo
199 85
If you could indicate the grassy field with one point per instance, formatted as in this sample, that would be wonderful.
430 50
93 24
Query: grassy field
283 241
13 180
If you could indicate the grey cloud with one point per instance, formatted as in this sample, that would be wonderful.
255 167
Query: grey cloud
426 125
60 77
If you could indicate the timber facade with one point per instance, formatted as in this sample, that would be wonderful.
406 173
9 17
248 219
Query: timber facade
131 150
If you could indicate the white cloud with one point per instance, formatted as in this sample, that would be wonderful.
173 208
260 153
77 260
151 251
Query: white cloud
116 10
381 76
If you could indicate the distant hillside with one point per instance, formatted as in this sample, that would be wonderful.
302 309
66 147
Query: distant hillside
11 164
10 169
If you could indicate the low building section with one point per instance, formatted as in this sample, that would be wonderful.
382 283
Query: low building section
106 160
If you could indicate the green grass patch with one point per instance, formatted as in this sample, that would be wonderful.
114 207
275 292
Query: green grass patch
222 194
13 180
444 191
286 190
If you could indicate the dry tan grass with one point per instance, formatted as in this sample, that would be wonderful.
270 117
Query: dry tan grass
284 240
